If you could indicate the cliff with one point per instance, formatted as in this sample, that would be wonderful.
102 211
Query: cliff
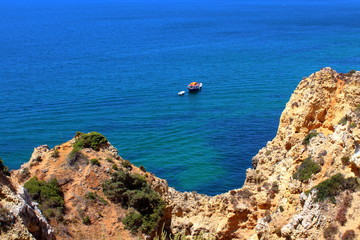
19 217
304 183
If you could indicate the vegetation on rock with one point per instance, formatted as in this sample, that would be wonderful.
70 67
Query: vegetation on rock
4 169
48 195
311 134
6 219
332 187
146 207
307 168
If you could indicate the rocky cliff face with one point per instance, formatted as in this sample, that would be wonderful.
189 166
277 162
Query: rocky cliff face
294 190
19 218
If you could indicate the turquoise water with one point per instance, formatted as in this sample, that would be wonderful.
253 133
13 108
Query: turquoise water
116 68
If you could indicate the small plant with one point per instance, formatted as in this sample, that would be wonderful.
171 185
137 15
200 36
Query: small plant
6 218
330 188
343 121
142 168
55 153
92 140
345 160
352 125
330 231
115 167
126 164
134 193
110 160
4 169
48 195
275 187
86 220
348 235
307 168
350 73
357 109
311 134
91 196
95 161
341 216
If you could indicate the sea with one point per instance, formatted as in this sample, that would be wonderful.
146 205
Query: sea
115 67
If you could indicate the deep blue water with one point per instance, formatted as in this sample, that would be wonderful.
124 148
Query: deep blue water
116 68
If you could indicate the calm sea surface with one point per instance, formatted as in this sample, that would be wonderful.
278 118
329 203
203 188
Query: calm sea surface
116 68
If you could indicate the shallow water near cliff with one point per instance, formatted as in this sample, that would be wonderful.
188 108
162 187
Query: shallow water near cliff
116 68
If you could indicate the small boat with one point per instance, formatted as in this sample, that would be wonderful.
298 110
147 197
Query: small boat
181 93
194 86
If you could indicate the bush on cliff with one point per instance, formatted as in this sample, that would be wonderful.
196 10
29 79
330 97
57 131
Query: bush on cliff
307 168
330 188
134 193
92 140
6 218
311 134
48 195
4 169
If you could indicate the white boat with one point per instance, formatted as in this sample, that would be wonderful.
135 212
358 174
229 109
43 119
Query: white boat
194 86
181 93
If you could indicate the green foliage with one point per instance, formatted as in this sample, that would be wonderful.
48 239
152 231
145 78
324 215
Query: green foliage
86 220
307 168
351 72
343 121
126 164
115 167
330 188
55 153
92 140
110 160
311 134
95 161
94 197
133 221
6 218
133 192
352 125
4 169
357 109
48 195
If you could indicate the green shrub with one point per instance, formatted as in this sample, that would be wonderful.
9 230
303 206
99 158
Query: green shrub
86 220
48 195
91 196
126 164
357 109
115 167
110 160
55 153
311 134
95 161
92 140
330 188
4 169
132 191
351 72
133 221
343 121
307 168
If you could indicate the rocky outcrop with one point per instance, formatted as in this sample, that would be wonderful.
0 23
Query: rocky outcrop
321 122
20 218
